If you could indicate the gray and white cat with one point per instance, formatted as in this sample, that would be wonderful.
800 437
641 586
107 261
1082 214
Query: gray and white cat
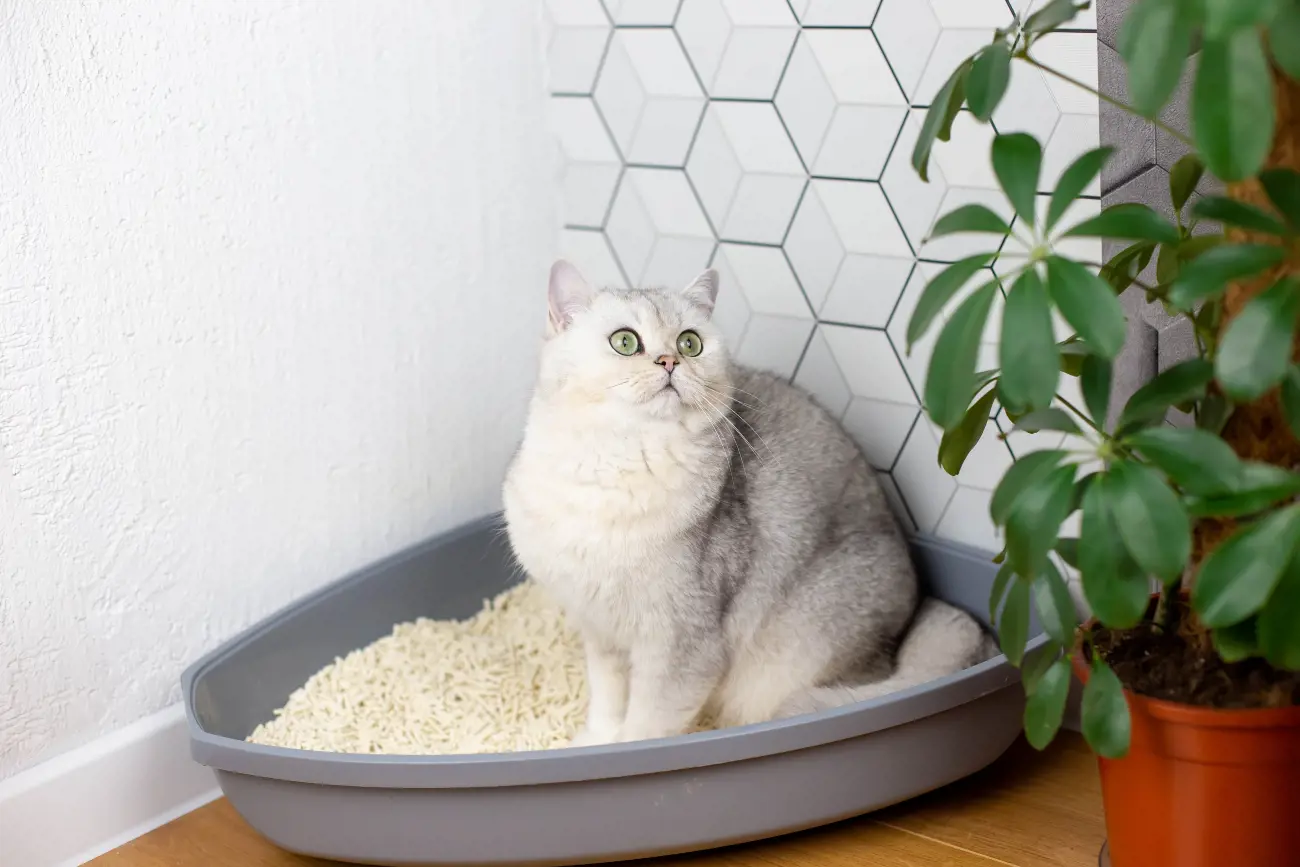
719 540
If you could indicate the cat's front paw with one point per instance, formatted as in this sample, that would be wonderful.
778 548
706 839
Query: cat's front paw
588 737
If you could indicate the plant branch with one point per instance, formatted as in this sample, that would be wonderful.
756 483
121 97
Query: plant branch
1158 291
1097 93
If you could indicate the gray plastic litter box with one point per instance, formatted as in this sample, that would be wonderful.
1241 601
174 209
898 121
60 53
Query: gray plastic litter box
571 806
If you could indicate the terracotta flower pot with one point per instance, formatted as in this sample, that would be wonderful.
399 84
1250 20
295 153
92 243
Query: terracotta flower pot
1202 787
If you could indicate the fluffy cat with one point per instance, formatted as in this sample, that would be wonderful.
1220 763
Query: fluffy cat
719 540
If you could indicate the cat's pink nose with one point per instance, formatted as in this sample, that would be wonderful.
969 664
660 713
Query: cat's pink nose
666 361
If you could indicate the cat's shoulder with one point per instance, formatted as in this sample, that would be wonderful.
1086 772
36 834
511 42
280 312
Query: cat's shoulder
771 391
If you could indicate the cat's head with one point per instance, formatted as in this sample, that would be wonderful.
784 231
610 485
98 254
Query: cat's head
651 351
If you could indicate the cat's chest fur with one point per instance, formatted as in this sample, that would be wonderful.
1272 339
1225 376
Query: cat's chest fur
604 518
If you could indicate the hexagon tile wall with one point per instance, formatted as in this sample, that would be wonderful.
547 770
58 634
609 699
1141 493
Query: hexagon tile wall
772 140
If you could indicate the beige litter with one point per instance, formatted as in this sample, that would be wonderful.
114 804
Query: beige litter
511 678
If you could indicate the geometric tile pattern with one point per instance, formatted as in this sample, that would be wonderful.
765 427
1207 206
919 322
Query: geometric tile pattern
772 140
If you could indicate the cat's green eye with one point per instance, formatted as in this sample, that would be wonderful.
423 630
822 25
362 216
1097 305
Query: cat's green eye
625 342
689 344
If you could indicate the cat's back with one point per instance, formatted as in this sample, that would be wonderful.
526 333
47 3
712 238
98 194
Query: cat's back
790 425
798 468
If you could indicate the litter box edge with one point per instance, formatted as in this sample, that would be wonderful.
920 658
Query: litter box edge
937 559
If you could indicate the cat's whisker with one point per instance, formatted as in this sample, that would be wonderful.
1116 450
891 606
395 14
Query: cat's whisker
729 398
723 415
749 394
726 416
771 453
717 435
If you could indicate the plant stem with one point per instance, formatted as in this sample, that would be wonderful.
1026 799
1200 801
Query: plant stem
1097 93
1074 409
1167 609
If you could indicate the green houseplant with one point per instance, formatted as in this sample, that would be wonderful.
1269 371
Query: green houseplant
1211 655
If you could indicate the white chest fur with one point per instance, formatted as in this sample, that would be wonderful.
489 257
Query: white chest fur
599 514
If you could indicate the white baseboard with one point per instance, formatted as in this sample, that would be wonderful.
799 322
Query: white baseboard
83 803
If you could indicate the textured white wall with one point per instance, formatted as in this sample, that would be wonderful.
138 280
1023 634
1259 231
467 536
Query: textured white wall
270 285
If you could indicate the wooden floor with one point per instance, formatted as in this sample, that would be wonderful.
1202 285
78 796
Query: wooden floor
1028 810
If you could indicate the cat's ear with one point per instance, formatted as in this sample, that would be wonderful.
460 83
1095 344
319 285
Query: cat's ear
567 294
703 290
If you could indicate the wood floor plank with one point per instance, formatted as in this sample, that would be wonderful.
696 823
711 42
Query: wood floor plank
865 843
212 836
1029 810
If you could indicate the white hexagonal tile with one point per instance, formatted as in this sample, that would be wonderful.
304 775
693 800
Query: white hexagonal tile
1075 135
591 162
908 31
774 343
840 371
578 31
966 160
950 49
1075 55
858 141
967 521
764 277
862 217
731 312
643 12
649 96
806 101
841 103
868 363
575 13
917 360
746 171
971 13
814 248
1028 105
880 428
925 486
657 229
916 202
865 290
895 498
589 250
835 13
819 374
835 218
853 65
738 47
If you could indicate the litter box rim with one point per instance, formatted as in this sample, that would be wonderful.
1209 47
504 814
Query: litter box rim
580 764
